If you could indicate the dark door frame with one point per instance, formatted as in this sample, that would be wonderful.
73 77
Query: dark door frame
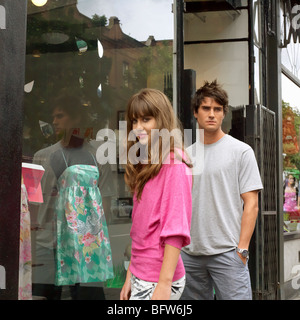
12 68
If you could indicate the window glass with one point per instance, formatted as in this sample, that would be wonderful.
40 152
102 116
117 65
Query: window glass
257 75
84 60
257 22
257 51
289 32
216 25
216 47
291 162
290 60
227 62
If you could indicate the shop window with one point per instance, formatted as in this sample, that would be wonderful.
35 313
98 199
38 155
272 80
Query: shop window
289 24
84 60
290 60
291 156
216 47
227 62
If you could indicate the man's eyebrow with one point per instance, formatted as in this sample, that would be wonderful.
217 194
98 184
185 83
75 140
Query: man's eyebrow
204 106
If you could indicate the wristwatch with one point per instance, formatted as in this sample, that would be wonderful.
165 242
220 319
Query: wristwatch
243 252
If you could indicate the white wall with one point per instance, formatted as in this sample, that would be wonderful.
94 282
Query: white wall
291 259
226 61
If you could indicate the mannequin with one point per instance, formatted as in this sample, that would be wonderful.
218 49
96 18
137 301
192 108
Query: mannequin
59 161
83 252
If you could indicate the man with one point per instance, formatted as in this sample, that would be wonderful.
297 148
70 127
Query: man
225 206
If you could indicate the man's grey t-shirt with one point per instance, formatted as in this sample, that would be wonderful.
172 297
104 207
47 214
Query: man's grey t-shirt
230 169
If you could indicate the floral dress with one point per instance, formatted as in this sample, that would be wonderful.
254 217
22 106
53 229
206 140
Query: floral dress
83 249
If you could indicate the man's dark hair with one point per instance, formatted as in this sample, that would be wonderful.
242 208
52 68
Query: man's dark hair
210 90
69 104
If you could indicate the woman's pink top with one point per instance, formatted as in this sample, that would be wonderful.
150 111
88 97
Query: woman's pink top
162 216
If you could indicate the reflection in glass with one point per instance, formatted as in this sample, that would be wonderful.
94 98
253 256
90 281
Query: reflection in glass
100 49
81 45
99 91
290 53
28 87
257 75
55 37
39 3
227 61
88 60
291 167
256 22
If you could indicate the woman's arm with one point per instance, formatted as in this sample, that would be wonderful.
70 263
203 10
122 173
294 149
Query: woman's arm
170 260
126 290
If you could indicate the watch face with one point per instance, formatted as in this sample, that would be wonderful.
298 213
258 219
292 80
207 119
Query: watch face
245 253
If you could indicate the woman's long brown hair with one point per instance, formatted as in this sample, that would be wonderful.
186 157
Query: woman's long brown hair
152 102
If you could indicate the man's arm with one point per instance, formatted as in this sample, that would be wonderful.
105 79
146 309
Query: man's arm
248 220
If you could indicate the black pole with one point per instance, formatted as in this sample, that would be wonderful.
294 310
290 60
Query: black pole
251 53
274 103
179 55
12 68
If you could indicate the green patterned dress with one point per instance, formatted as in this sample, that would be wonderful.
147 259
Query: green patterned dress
83 249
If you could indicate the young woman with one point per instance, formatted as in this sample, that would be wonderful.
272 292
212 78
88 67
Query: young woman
161 182
291 199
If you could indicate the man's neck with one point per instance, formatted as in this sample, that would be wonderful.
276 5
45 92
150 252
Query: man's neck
212 137
72 142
